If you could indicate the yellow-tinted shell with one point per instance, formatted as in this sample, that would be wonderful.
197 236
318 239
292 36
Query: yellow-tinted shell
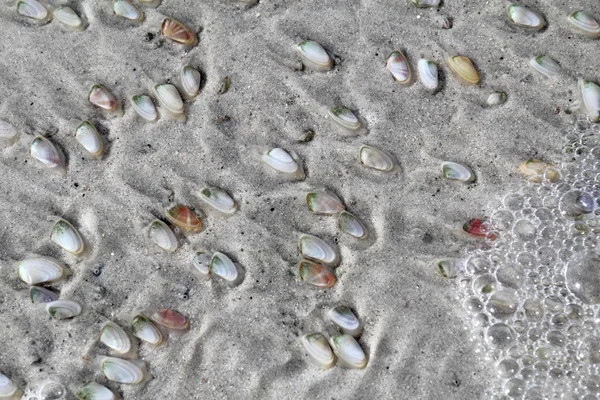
464 68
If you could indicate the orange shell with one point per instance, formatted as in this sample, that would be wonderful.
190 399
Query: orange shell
184 218
315 274
177 32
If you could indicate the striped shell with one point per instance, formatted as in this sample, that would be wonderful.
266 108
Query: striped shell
42 295
33 9
218 199
190 81
66 236
428 73
8 389
63 309
171 319
345 118
398 66
374 158
545 66
314 56
113 336
94 391
122 371
464 69
45 152
317 249
101 97
144 329
125 9
177 32
323 203
319 350
162 235
351 225
525 17
38 270
87 136
347 349
280 160
144 107
184 218
222 266
343 317
169 98
69 18
315 274
584 23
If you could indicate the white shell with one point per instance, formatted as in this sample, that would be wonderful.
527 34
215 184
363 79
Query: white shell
169 98
496 98
37 270
8 389
428 73
317 249
122 371
589 93
113 336
88 137
345 118
218 199
318 349
94 391
45 152
101 97
523 16
348 350
125 9
33 9
66 236
280 160
457 171
222 266
398 66
426 3
351 225
144 106
201 263
63 309
190 81
323 203
343 317
545 66
144 329
374 158
68 17
584 23
162 235
314 55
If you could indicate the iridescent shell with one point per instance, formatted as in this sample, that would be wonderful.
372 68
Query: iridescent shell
8 389
63 309
464 69
317 249
69 18
42 295
315 274
45 152
101 97
374 158
589 93
33 9
125 9
184 218
222 266
169 98
177 32
190 81
351 225
346 320
314 56
584 23
525 17
144 329
171 319
457 172
345 118
347 349
162 235
94 391
398 66
218 199
113 336
545 66
38 270
66 236
281 161
122 371
144 106
89 138
428 73
323 203
318 349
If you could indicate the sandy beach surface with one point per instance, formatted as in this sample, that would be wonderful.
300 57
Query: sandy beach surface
243 341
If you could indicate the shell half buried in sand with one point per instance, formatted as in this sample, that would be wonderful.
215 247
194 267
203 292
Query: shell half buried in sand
314 56
323 203
40 295
351 225
66 236
374 158
347 349
162 235
218 199
63 309
319 350
113 336
144 329
94 391
545 66
584 23
523 16
89 138
122 371
36 270
8 389
69 18
398 66
426 3
589 93
344 118
35 10
8 133
201 263
177 32
464 69
184 218
314 248
315 274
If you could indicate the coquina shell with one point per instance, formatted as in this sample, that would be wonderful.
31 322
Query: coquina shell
87 136
63 309
345 118
314 56
323 203
447 268
8 389
125 9
545 66
33 9
280 160
584 23
464 69
201 263
190 81
94 391
69 18
589 93
398 66
66 236
39 294
122 371
169 98
45 152
222 266
375 158
317 249
177 32
319 350
523 16
347 349
218 199
144 329
315 274
496 98
171 319
343 317
101 97
426 3
38 270
144 106
428 73
457 171
351 225
113 336
162 235
184 218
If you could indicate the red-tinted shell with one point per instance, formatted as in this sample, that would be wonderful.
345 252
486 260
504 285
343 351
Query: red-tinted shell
315 274
177 32
184 218
476 227
101 97
171 319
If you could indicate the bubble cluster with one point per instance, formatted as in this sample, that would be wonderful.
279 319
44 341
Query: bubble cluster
532 291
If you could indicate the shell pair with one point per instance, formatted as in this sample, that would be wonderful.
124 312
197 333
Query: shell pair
324 203
316 253
398 66
179 215
218 264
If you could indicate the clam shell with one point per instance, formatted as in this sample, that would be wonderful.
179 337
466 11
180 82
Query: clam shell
8 389
122 371
144 329
426 3
66 236
280 160
589 93
464 69
94 391
201 263
169 98
351 225
184 218
584 23
347 349
37 270
343 317
345 118
374 158
33 9
545 66
190 81
113 336
87 136
63 309
398 66
171 319
318 349
496 98
457 172
428 73
68 17
317 249
314 56
42 295
144 106
315 274
533 169
162 235
177 32
125 9
218 199
478 228
222 266
101 97
525 17
323 203
447 268
45 152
